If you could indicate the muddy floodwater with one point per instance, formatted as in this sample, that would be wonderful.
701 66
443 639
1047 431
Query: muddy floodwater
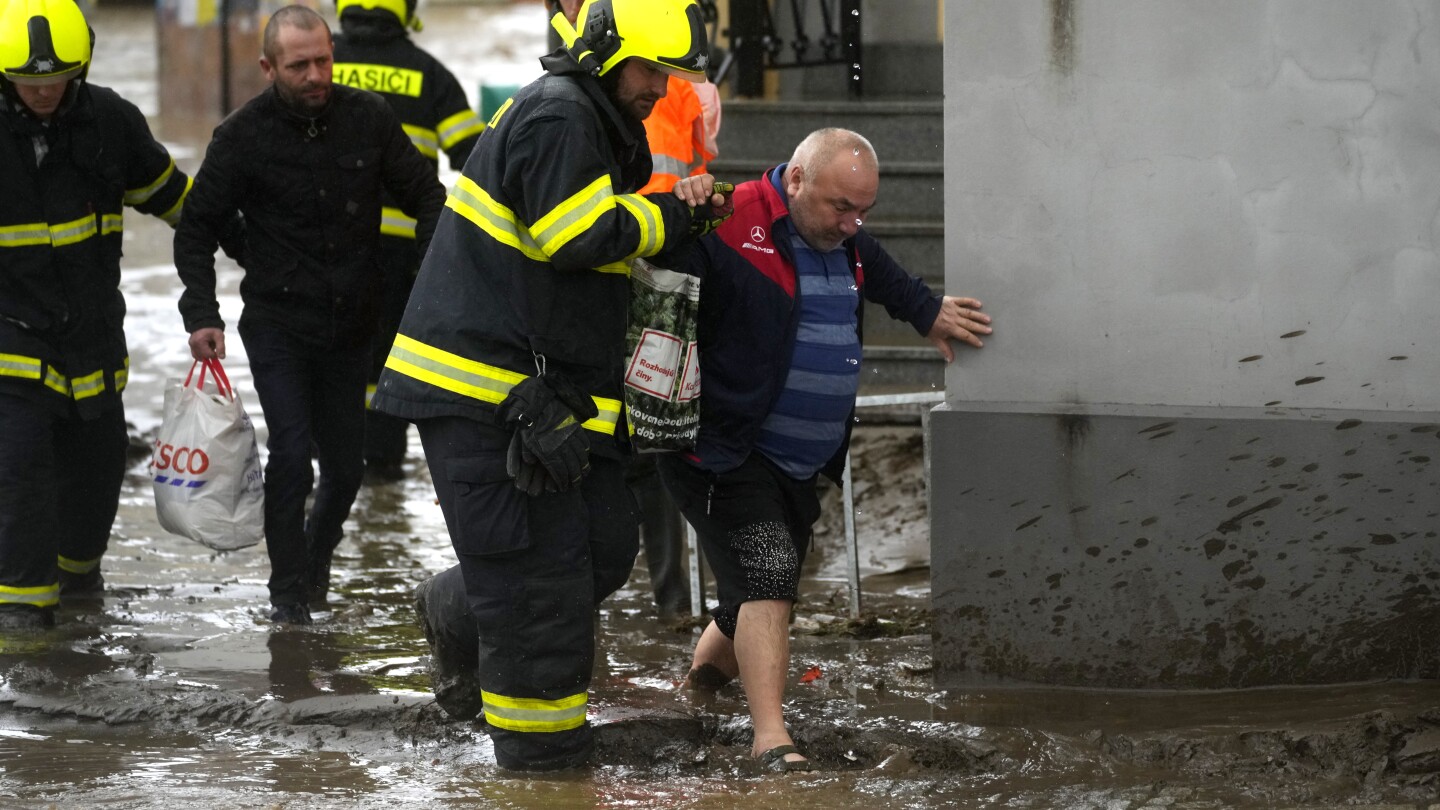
174 691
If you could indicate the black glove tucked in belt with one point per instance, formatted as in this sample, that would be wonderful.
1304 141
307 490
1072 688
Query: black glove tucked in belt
549 452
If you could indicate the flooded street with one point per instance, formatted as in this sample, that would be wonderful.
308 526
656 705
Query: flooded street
175 690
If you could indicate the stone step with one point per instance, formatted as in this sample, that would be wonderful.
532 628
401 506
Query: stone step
767 131
909 191
918 246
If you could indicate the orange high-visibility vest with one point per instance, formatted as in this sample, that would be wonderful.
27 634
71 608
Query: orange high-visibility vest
676 131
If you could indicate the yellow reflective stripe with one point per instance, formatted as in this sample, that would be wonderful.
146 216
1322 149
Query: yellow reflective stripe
136 196
122 376
473 203
571 217
609 416
77 566
68 233
622 268
57 382
458 127
651 222
88 386
534 714
393 222
172 216
111 223
396 81
369 394
18 365
503 109
452 372
31 233
424 140
40 596
471 378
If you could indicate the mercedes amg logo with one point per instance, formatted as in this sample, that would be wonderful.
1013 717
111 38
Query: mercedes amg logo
757 234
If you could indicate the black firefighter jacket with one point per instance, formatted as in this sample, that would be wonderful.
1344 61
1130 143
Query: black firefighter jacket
61 220
309 190
530 263
374 53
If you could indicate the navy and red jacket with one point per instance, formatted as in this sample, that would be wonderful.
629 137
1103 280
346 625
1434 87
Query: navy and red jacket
749 314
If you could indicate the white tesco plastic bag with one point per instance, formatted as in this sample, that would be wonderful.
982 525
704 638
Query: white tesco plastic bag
205 468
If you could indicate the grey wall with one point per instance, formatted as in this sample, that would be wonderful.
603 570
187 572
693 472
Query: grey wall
1185 183
1218 217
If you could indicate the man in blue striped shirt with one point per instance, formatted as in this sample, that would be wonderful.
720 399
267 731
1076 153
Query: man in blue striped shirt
780 322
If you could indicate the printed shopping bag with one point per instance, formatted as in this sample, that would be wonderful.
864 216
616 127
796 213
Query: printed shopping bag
662 377
205 468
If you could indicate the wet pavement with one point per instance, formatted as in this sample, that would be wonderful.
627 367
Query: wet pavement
174 689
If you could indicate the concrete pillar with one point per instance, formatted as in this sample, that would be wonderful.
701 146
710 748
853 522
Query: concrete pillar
1197 452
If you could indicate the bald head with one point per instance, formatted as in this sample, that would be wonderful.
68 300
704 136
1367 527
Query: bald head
830 185
823 146
301 17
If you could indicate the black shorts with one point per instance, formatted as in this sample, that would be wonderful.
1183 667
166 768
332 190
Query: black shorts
754 524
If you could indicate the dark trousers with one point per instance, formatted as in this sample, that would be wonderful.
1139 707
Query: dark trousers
385 435
533 571
60 479
662 529
312 398
754 524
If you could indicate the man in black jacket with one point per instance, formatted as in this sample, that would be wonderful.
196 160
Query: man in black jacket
374 52
72 155
305 162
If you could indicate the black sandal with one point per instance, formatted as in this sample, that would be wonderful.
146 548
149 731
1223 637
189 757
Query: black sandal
774 760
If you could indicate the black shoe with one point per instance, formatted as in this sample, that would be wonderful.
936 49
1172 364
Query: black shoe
454 679
89 585
26 617
290 613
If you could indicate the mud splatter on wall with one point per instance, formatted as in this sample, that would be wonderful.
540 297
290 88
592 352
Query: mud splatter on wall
1062 34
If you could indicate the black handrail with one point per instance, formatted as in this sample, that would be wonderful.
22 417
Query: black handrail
758 45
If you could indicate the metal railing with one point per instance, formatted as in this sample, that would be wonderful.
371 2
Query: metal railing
847 496
825 32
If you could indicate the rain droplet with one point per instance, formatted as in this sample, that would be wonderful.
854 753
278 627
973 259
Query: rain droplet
856 65
855 13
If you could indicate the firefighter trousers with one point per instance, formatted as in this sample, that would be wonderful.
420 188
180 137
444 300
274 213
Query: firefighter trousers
534 570
60 479
386 436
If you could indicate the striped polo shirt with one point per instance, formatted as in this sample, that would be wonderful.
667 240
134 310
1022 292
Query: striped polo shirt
807 424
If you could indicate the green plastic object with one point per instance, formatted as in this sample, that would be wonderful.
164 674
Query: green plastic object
494 95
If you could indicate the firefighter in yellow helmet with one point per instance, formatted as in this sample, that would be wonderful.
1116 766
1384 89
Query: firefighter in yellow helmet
510 360
680 146
72 155
374 52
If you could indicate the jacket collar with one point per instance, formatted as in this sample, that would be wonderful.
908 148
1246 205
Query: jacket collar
312 126
629 131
